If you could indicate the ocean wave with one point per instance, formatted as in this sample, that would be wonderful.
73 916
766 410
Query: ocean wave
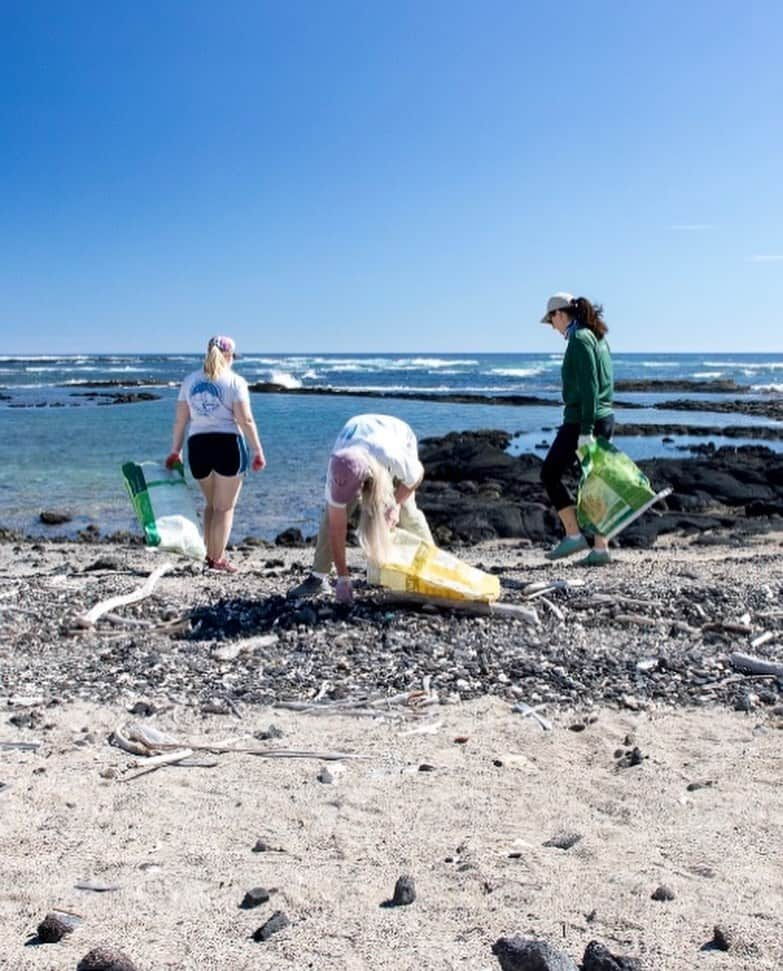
707 374
515 372
286 379
777 388
748 367
45 370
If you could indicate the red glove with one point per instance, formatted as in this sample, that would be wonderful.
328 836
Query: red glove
173 460
259 462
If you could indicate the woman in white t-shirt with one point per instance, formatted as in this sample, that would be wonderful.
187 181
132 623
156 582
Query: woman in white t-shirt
215 403
375 464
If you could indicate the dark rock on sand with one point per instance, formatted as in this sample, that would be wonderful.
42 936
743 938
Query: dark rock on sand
277 922
254 898
105 959
722 937
526 954
404 892
662 893
599 958
56 925
563 840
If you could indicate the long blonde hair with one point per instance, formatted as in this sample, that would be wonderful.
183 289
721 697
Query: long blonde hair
377 496
214 363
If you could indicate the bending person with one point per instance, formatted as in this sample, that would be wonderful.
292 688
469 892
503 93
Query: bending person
588 392
374 464
214 401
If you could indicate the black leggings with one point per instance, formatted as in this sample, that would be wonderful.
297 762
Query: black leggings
561 458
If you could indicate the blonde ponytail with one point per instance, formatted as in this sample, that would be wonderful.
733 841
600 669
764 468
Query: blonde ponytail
376 496
214 363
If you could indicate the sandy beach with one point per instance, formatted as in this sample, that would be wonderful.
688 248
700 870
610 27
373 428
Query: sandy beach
562 835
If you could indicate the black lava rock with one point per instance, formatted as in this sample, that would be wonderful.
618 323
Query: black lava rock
404 892
526 954
105 959
599 958
662 893
255 897
277 922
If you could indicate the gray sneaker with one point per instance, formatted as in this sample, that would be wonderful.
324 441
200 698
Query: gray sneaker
312 586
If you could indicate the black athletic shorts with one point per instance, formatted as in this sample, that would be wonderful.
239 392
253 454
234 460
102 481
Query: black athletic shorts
221 452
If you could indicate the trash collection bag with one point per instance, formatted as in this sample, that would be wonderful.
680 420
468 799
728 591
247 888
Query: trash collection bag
613 491
414 566
164 507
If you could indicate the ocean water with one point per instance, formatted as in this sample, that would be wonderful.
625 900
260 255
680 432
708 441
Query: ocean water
60 449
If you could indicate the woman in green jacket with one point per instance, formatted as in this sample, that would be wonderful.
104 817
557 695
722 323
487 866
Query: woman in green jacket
588 391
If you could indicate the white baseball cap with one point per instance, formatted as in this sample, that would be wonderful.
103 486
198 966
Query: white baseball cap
558 301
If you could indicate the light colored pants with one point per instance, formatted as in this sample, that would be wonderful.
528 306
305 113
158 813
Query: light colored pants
411 518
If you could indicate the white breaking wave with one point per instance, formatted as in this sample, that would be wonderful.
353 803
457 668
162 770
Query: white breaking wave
516 372
777 388
286 379
43 370
707 374
748 367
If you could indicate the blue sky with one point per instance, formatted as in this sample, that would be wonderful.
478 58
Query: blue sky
407 176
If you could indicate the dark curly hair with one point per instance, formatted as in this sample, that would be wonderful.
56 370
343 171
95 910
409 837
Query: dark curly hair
589 315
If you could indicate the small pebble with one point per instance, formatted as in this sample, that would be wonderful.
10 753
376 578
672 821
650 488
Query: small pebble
663 893
56 925
722 937
105 959
564 840
404 892
254 897
277 922
325 776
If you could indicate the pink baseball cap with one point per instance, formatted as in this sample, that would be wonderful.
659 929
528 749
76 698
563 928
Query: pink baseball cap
348 469
226 345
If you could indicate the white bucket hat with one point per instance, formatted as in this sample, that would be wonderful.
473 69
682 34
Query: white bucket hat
558 301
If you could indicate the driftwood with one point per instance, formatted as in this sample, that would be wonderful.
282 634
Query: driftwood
747 664
730 626
540 587
400 705
229 650
762 639
148 741
638 619
21 746
471 607
106 606
151 764
527 711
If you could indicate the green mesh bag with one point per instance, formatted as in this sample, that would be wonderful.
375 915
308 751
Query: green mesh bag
613 491
164 507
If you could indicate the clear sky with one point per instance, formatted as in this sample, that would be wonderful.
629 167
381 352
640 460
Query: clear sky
415 175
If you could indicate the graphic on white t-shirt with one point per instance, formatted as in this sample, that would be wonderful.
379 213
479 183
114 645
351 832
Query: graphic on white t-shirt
205 398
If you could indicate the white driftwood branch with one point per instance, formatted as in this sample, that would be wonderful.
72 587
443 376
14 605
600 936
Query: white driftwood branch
157 761
527 711
105 606
473 607
747 664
